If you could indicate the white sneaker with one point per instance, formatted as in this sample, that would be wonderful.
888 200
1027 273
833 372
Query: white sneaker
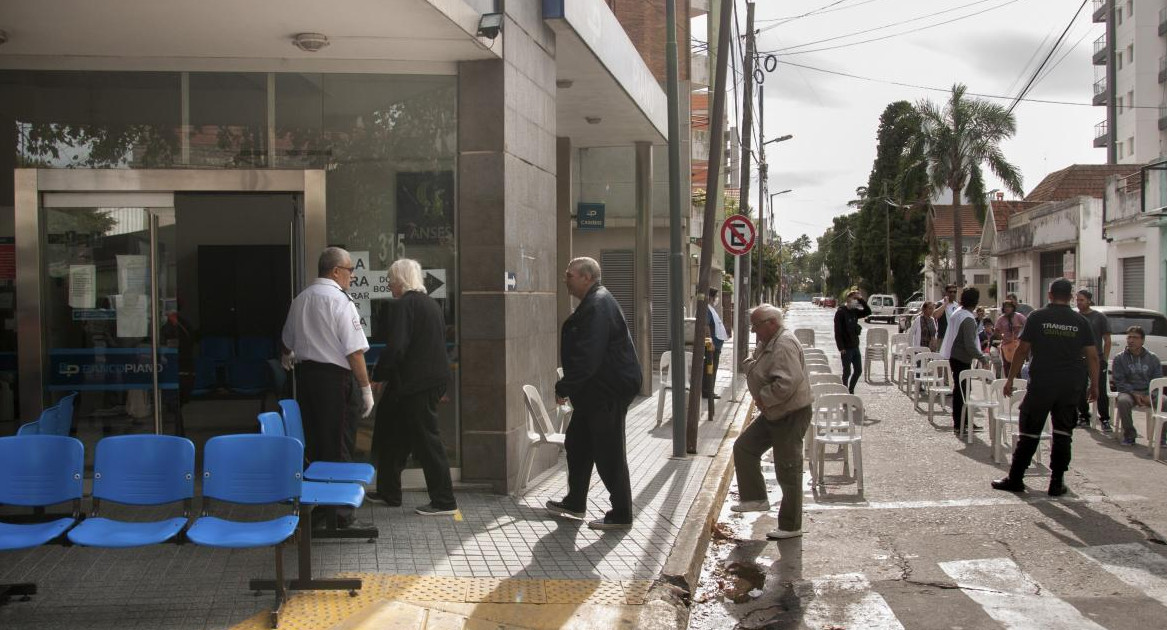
760 505
782 534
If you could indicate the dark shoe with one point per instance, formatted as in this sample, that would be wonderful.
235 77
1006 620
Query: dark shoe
559 508
352 523
1057 487
429 509
1008 484
1128 441
1106 428
1083 423
377 497
605 523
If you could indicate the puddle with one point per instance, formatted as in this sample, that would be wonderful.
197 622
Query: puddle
741 581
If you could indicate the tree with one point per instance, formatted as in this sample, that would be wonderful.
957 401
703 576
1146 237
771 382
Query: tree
888 228
956 139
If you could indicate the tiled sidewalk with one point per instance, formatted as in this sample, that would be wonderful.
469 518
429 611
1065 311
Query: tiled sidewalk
493 537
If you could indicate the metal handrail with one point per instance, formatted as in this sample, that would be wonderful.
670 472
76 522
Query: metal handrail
1101 129
1099 86
1100 44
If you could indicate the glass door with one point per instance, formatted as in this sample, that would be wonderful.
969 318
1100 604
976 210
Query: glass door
109 275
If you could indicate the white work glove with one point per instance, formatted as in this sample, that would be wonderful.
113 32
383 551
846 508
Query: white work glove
366 401
288 360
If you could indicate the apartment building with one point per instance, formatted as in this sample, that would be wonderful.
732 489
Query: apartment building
1130 70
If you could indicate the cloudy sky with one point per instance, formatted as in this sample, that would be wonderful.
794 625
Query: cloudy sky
834 118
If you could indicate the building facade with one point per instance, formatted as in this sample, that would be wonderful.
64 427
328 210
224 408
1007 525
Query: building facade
168 177
1130 70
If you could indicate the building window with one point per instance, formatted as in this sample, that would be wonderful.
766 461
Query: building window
1130 145
1118 105
1012 281
1118 17
1130 53
980 278
1118 59
1118 150
1130 99
1130 8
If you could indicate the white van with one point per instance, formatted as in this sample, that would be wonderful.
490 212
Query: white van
883 308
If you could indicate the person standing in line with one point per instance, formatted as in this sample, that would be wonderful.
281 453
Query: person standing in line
1133 370
945 309
601 376
718 334
776 378
1100 326
325 342
1022 307
1009 326
960 347
415 370
923 330
1063 350
847 332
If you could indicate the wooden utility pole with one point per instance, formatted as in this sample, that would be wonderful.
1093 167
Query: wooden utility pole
716 155
742 334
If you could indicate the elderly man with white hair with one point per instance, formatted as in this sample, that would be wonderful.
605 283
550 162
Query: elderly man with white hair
414 370
777 380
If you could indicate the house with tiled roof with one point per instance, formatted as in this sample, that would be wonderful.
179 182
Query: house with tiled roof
1056 233
997 216
976 270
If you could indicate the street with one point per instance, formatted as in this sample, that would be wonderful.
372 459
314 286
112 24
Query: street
931 545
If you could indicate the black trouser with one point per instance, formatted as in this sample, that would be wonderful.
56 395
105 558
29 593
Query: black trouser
1058 399
596 437
330 404
407 424
852 367
957 366
708 380
1103 402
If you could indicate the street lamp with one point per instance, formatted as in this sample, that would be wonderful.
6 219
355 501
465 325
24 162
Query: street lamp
762 241
778 139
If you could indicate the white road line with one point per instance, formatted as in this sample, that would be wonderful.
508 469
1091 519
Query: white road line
1012 598
846 600
1134 564
947 503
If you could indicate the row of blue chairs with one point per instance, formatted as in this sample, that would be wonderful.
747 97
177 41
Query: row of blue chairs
55 420
149 470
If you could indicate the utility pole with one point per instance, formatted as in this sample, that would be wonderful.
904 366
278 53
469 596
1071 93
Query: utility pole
762 177
676 254
741 336
716 160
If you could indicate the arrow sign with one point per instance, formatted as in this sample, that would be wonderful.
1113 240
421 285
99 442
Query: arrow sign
738 235
435 283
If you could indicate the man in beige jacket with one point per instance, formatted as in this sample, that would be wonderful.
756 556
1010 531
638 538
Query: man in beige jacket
776 377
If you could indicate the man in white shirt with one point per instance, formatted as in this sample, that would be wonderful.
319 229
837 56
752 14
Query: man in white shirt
324 339
718 334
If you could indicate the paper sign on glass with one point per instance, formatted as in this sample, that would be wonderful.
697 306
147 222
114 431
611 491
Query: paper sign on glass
83 286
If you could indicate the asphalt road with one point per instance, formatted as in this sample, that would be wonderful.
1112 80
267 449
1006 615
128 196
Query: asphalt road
931 545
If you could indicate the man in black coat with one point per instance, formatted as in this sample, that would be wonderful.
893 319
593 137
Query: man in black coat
601 376
847 331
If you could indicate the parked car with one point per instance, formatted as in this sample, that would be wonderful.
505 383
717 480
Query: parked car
909 313
1154 324
829 302
883 308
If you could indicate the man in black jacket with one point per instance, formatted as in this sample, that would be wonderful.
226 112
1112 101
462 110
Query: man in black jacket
601 376
847 337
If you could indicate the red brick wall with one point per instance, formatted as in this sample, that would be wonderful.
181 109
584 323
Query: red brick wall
644 22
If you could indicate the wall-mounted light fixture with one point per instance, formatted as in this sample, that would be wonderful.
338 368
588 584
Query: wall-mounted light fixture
489 25
310 42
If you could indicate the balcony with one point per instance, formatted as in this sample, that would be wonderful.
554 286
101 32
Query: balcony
1163 20
1100 49
1100 10
1101 135
1162 116
1162 69
1101 94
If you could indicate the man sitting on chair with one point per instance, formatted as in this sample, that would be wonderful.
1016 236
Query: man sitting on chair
1133 370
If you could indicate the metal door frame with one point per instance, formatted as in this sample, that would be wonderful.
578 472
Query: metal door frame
32 184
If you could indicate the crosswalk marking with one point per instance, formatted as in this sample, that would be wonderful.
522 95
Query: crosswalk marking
1134 564
946 503
846 600
1013 598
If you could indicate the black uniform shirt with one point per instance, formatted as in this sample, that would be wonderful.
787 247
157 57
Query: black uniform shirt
1058 336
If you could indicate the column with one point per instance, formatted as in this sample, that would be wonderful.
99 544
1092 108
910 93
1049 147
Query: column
642 265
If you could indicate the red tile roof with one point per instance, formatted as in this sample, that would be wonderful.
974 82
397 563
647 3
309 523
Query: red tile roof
1079 179
1002 210
970 226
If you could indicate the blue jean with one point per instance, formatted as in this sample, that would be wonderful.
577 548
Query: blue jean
852 367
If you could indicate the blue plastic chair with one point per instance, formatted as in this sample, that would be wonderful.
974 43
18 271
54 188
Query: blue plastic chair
351 472
62 421
37 427
138 470
38 471
253 470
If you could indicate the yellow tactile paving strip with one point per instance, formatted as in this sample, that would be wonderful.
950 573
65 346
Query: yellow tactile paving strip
315 610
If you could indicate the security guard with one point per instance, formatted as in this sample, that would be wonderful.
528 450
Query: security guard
324 338
1058 339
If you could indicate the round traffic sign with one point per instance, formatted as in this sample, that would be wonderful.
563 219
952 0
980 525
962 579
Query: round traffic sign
738 234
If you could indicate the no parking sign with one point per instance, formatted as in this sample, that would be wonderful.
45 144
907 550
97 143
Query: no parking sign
738 234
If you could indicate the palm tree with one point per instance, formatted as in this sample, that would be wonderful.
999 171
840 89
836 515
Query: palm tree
956 139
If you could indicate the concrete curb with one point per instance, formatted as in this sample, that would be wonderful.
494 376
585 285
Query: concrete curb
682 569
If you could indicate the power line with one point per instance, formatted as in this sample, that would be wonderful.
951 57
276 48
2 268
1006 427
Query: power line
791 17
908 32
1063 57
885 26
821 9
1032 79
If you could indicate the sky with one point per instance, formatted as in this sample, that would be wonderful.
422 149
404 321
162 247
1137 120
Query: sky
834 119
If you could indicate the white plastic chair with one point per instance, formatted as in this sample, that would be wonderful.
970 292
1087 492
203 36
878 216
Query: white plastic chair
823 389
877 349
817 368
666 380
838 419
918 376
805 336
898 342
819 352
1116 430
903 370
1006 414
978 398
939 384
1156 416
821 378
539 432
